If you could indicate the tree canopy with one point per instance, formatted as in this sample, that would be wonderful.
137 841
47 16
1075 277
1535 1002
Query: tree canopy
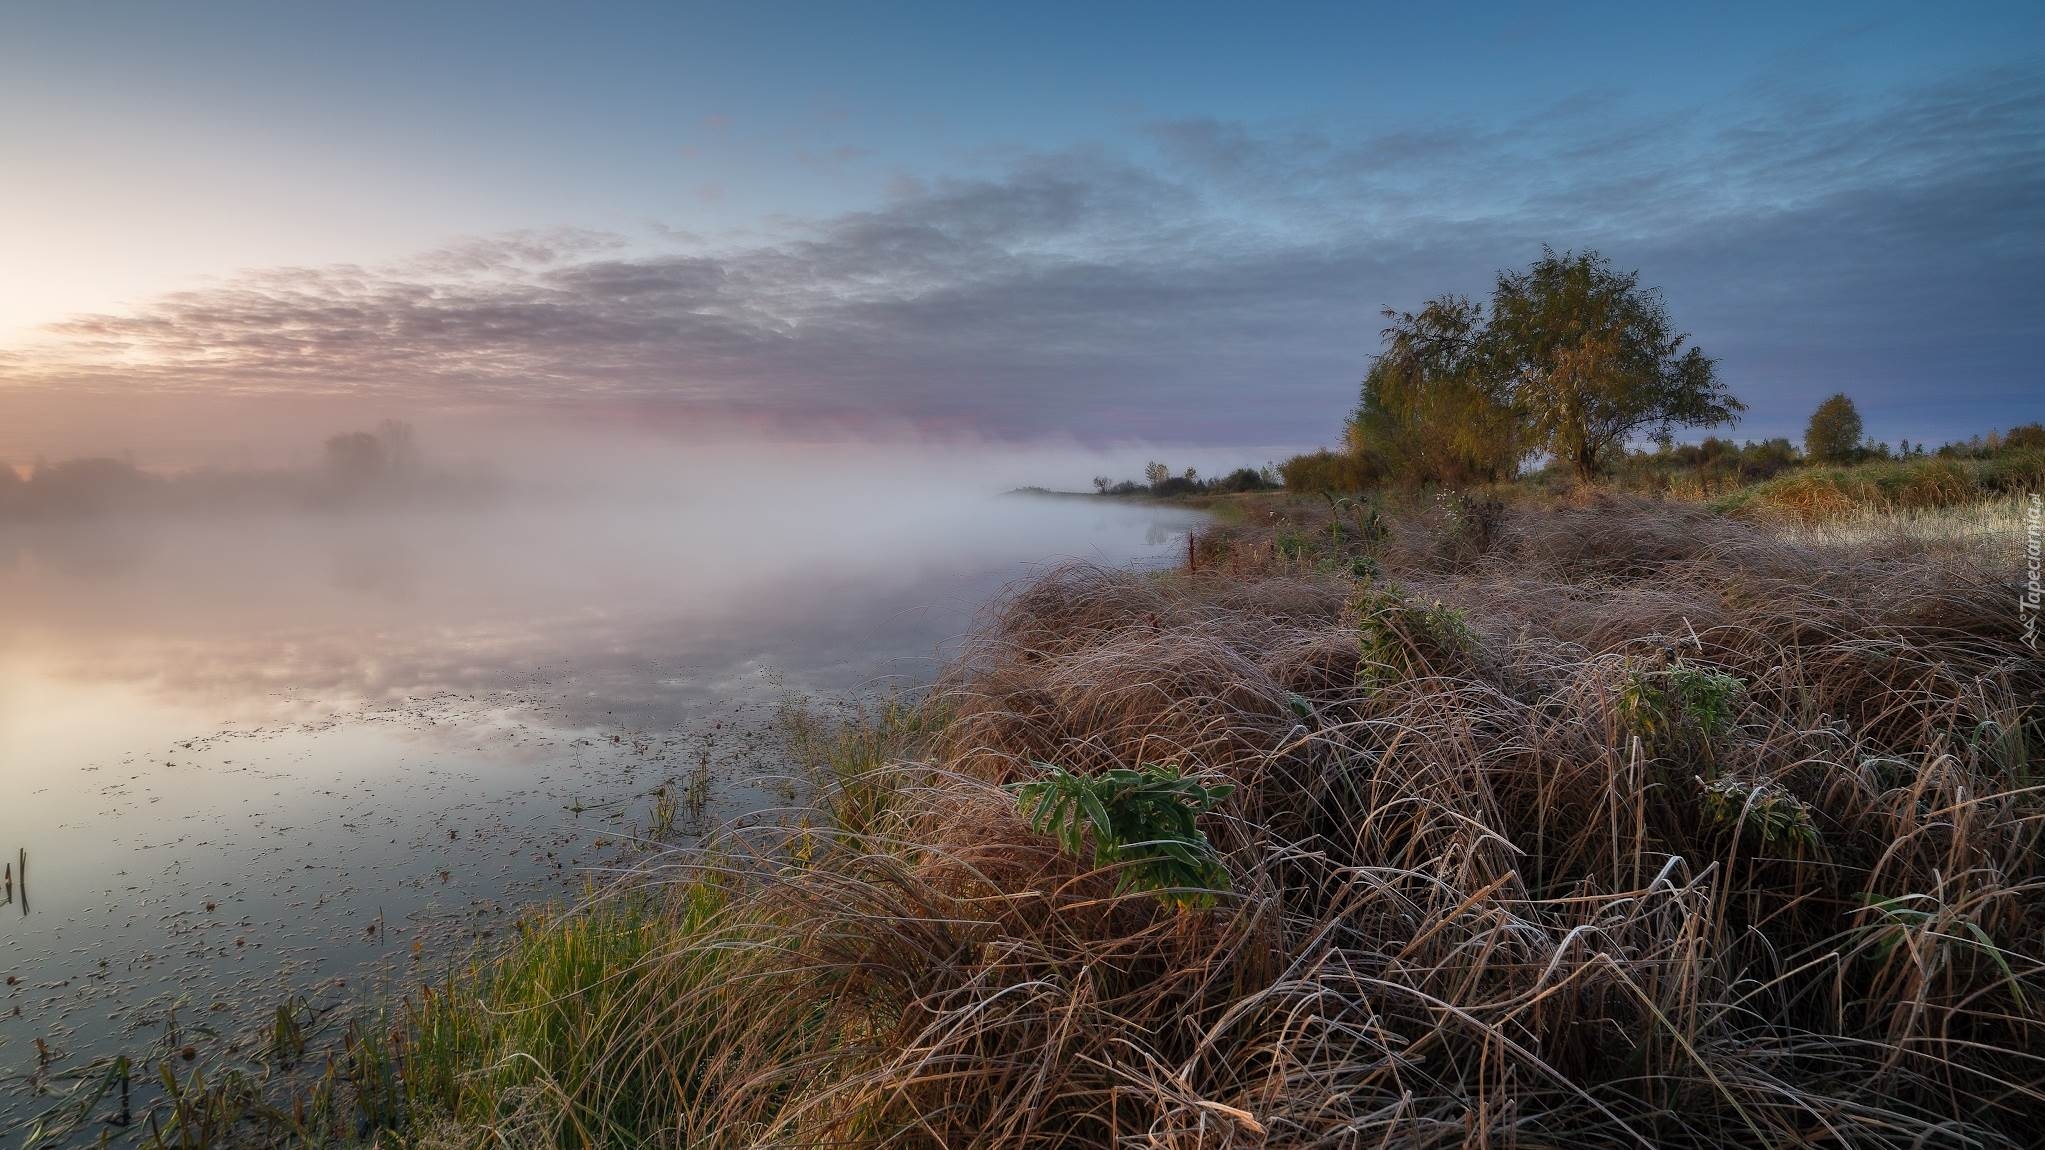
1835 431
1594 360
1572 358
1430 410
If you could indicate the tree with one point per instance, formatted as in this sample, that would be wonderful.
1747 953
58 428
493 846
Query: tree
400 446
2024 437
1592 360
357 457
1429 409
1155 473
1834 433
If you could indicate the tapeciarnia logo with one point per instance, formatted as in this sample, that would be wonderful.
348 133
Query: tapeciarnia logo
2034 563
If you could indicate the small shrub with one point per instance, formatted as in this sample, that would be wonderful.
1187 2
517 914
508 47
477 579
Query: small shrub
1142 820
1290 545
1768 811
1466 525
1400 637
1678 704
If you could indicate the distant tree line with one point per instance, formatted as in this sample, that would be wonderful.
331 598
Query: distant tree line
357 468
1159 480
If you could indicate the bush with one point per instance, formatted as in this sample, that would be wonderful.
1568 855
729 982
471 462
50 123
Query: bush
1326 471
1141 822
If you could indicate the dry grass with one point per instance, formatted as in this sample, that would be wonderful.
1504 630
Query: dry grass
1890 486
1513 863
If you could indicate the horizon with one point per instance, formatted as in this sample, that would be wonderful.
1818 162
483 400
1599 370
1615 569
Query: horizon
1149 230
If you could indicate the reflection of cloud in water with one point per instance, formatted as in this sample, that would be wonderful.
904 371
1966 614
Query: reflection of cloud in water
630 613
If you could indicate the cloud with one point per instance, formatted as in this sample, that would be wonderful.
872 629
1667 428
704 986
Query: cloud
1219 283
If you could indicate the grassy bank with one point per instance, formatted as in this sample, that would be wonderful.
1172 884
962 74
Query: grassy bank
1611 823
1886 486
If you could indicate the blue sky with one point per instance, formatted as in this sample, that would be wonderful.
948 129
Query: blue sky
1163 222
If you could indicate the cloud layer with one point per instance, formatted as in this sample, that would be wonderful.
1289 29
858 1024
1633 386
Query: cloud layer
1219 282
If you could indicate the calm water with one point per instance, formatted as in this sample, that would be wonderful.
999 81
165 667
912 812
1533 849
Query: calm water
254 758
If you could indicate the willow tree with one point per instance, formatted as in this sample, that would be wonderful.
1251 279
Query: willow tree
1430 410
1592 360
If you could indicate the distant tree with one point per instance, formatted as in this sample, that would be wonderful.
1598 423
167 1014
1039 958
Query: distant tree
357 458
1771 456
1240 480
1834 433
1155 473
1191 475
2026 437
1593 360
400 446
1102 483
87 486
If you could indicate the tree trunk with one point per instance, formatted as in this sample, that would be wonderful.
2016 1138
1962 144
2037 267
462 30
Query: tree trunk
1586 463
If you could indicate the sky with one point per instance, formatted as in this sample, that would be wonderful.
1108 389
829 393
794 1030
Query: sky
223 225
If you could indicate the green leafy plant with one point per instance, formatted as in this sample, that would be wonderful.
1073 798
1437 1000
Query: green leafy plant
1679 703
1400 637
1768 811
1367 515
1142 820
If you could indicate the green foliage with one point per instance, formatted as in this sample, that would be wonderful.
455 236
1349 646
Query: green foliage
1142 820
1916 484
1323 471
1399 637
1290 545
540 1019
1704 469
1573 358
1766 810
1677 704
1365 522
1594 359
1430 409
1835 431
847 760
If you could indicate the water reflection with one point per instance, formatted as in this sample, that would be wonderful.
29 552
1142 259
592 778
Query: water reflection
229 747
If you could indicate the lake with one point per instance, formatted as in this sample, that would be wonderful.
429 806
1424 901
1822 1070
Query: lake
257 758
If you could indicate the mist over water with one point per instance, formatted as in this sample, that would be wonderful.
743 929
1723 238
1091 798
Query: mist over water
254 753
